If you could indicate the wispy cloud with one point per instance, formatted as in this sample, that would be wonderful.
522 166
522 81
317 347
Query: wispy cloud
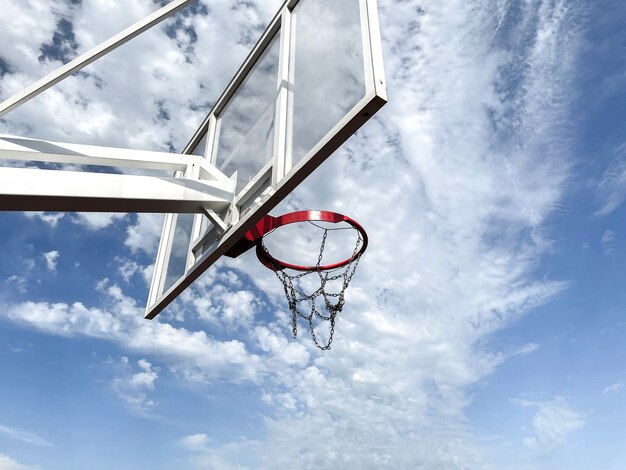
614 388
525 349
19 281
607 242
612 186
51 258
454 181
553 422
24 436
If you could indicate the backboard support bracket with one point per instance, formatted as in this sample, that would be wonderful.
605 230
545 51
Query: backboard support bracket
216 219
71 191
201 187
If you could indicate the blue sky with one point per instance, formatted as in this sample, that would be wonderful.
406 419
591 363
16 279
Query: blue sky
484 328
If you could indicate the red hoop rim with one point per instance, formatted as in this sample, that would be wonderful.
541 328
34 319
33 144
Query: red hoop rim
269 223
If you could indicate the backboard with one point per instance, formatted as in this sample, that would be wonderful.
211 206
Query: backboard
313 79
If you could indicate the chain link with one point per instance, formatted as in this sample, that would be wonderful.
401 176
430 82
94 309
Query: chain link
295 296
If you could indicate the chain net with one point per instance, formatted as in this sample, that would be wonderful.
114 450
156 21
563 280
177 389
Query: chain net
304 305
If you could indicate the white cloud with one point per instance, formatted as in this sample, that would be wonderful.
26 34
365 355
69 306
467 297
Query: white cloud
145 378
29 263
19 349
133 386
195 442
525 350
208 454
145 234
607 242
20 282
7 463
236 309
129 268
96 220
51 218
239 308
612 186
24 436
284 351
193 353
218 299
51 258
553 423
614 388
146 273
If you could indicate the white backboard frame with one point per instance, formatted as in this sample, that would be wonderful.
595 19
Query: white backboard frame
284 177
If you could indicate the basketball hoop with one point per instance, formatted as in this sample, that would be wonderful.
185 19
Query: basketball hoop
343 270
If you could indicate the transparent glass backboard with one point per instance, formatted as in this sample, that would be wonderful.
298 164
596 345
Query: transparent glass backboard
313 79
